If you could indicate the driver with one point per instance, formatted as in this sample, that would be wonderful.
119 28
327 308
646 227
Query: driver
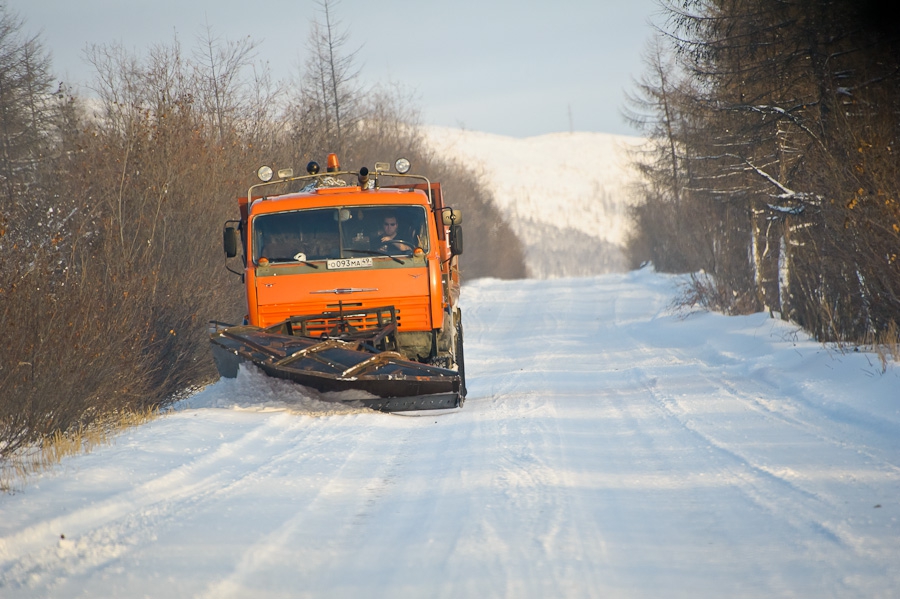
279 244
388 235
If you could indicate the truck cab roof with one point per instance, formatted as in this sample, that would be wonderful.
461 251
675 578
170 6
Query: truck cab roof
334 196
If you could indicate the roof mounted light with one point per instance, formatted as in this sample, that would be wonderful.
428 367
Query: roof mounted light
402 166
333 163
285 173
382 167
312 167
264 173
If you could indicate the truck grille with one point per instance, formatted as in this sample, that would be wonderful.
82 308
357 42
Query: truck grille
413 314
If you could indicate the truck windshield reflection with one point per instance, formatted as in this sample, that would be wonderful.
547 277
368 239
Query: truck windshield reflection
332 233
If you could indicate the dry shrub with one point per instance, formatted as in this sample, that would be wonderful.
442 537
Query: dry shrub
708 293
108 314
886 344
66 364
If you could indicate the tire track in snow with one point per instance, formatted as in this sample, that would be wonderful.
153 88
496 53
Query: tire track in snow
531 467
765 401
373 473
650 371
769 402
805 516
657 477
807 511
749 470
101 533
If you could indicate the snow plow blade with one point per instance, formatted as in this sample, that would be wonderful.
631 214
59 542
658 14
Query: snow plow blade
347 370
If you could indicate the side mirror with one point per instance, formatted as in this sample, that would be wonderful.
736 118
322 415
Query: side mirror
451 217
456 240
230 239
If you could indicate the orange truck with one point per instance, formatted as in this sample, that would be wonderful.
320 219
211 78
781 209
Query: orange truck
352 286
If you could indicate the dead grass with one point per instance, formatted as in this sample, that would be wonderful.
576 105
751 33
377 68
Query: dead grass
16 467
886 345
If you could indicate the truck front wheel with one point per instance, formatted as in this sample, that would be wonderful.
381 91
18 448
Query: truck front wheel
460 362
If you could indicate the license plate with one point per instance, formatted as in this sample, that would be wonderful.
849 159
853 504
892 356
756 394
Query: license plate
348 263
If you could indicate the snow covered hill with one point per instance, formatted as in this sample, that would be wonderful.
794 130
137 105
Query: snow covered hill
565 194
608 448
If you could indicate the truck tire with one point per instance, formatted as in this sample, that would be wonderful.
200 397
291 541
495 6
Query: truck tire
460 361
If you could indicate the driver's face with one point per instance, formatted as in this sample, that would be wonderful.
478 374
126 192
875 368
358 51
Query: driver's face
390 224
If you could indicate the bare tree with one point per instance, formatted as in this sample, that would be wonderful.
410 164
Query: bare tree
329 96
25 110
667 232
219 66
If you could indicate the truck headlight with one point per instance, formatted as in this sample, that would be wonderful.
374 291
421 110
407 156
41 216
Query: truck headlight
264 173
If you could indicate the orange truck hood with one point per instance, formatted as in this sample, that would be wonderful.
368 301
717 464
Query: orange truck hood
283 292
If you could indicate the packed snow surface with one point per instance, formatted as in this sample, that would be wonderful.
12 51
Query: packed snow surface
610 447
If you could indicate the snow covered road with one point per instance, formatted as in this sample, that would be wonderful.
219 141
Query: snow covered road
608 448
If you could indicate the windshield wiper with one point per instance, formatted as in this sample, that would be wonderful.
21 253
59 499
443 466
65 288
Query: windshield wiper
286 260
374 253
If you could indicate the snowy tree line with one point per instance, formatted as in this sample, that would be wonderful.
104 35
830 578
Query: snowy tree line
113 207
773 164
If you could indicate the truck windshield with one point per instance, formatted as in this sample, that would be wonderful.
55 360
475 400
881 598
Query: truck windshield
327 233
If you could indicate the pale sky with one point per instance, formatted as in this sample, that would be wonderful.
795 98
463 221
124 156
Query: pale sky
517 68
